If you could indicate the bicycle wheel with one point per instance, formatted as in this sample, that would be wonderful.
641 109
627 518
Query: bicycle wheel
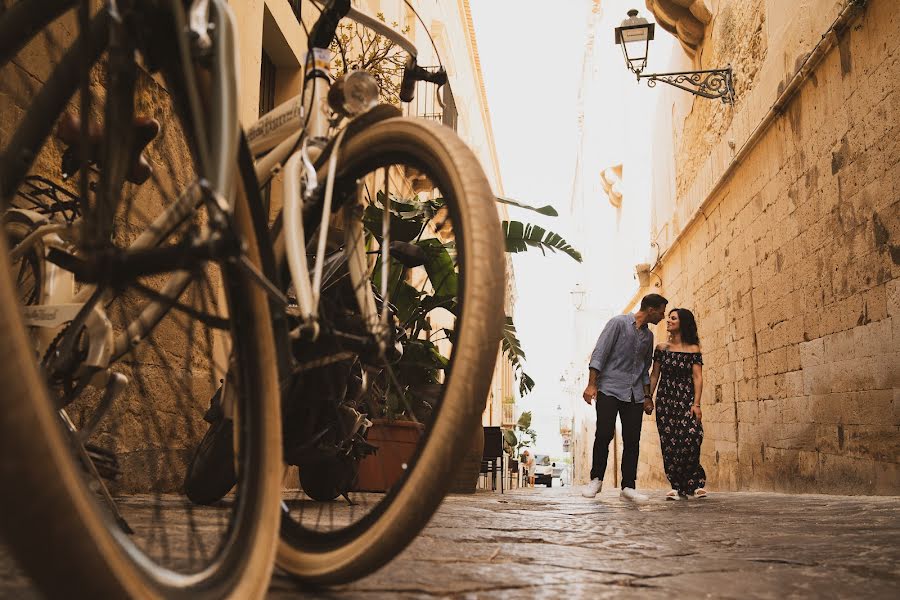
429 216
92 468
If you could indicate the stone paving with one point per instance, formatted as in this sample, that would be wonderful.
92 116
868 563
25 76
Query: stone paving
552 543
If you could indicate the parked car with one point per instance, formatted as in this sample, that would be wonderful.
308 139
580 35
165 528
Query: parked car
543 470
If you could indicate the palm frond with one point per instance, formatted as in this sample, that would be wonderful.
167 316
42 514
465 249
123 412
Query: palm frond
522 236
547 210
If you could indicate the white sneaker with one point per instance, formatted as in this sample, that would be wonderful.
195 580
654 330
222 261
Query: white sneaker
673 495
633 495
591 489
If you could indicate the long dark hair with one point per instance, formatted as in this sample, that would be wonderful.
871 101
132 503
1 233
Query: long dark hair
688 325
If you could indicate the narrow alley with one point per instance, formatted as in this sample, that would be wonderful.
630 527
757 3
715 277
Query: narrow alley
552 543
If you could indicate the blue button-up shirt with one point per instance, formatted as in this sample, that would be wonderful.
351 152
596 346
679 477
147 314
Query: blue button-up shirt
622 357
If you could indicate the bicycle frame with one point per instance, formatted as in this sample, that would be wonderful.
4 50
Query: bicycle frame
62 302
281 131
294 134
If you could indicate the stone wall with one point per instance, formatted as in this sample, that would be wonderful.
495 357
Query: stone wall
792 263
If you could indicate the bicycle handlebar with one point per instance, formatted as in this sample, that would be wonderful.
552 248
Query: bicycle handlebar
324 30
412 73
326 26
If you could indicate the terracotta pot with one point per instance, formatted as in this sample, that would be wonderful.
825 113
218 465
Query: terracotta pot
396 442
466 479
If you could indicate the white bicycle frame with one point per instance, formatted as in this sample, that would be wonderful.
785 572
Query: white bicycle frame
293 135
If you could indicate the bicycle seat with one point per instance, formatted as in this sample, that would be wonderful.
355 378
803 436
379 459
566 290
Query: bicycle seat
145 129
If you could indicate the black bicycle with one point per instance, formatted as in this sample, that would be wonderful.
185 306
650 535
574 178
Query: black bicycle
133 283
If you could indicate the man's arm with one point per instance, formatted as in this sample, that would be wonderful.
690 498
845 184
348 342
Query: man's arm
604 345
599 356
590 392
648 388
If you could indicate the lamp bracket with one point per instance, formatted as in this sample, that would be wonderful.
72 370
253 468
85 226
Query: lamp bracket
709 83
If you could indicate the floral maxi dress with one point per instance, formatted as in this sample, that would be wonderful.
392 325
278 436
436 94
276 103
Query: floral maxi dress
680 435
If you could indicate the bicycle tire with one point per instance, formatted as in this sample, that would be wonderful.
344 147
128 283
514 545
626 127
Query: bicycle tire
47 499
396 522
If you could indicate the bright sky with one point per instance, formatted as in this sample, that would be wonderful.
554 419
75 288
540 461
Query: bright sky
531 55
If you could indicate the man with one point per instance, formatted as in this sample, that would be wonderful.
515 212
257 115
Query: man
619 379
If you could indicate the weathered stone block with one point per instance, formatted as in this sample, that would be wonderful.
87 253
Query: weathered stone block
812 353
817 379
873 339
892 297
886 371
887 477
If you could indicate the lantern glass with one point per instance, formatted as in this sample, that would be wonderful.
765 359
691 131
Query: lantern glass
634 36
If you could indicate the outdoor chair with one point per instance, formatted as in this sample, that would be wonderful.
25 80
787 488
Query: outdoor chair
492 457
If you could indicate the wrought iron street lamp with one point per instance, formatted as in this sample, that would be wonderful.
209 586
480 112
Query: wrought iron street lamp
578 296
635 34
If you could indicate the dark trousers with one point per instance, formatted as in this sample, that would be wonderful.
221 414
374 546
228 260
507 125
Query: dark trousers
632 415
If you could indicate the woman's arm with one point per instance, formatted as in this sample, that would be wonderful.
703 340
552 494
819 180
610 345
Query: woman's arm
697 376
654 375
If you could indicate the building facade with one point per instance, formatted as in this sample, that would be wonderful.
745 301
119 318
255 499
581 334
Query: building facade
778 223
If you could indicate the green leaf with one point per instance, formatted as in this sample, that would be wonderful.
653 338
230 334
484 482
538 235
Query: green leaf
512 348
440 267
524 420
510 437
406 299
520 236
511 345
401 229
526 383
544 210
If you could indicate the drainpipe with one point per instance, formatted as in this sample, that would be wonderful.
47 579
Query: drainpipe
829 40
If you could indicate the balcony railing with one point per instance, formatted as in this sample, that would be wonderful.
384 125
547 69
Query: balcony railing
430 101
508 418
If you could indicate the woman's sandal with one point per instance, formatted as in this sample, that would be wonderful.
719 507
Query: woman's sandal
673 495
700 493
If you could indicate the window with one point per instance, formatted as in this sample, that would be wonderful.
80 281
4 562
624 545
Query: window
267 74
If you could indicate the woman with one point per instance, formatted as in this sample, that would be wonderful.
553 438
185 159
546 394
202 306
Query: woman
528 466
678 369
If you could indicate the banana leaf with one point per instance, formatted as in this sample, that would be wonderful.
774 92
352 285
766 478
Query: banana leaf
405 230
514 353
522 236
544 210
441 267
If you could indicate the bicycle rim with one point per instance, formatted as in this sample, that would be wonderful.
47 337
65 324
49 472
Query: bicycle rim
449 314
141 444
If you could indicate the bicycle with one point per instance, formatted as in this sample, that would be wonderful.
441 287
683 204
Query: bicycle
391 250
125 295
343 351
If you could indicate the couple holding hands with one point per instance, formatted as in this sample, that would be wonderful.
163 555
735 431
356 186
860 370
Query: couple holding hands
621 382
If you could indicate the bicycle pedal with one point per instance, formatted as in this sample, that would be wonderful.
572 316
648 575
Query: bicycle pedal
69 132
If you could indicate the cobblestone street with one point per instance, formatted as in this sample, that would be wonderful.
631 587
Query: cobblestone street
552 543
